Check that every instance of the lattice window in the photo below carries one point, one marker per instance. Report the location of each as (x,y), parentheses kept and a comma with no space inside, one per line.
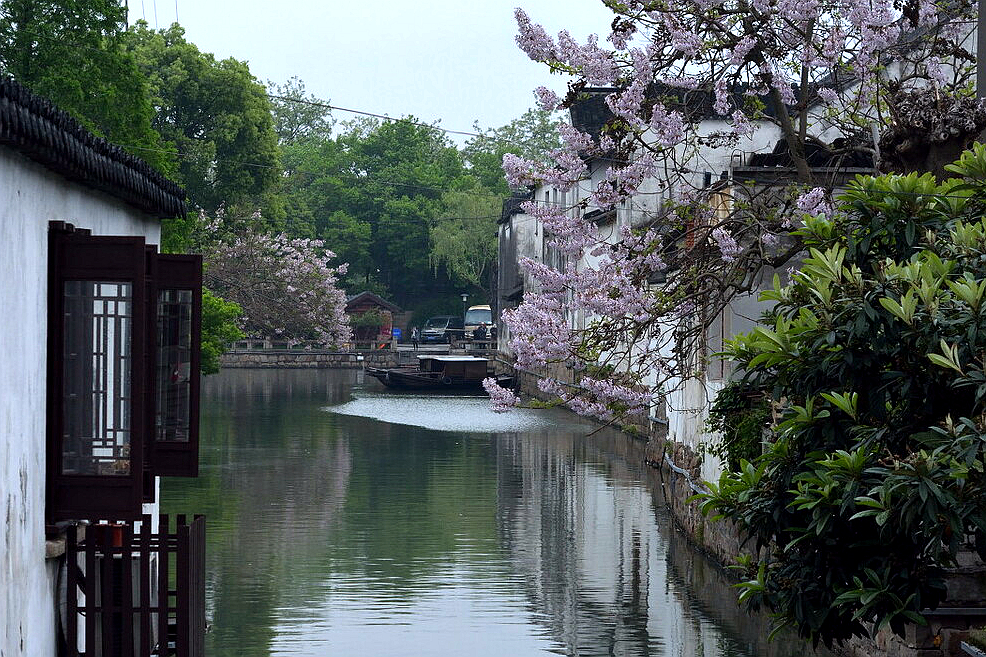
(97,366)
(123,371)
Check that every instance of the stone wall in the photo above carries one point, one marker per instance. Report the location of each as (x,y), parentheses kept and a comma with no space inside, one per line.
(308,359)
(268,359)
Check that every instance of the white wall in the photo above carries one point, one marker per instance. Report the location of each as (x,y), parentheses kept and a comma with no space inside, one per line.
(30,197)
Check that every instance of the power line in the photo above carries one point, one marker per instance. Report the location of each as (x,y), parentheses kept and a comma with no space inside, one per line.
(312,103)
(386,117)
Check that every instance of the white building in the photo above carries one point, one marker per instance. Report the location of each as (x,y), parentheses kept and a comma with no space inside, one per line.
(99,387)
(760,158)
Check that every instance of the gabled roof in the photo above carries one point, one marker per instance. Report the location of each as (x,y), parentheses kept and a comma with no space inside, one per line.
(35,127)
(366,295)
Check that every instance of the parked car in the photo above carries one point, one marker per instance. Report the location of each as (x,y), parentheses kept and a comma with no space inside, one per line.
(444,328)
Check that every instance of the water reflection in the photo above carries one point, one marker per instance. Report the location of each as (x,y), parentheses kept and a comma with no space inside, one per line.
(334,532)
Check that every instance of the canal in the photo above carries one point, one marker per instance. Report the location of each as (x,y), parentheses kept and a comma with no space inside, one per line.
(345,520)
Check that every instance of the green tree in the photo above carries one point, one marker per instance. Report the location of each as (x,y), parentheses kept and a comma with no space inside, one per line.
(533,136)
(375,190)
(74,53)
(464,238)
(216,113)
(220,329)
(321,193)
(299,117)
(874,354)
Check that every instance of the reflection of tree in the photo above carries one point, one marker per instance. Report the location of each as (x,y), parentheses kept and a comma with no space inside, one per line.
(304,506)
(415,499)
(297,499)
(273,477)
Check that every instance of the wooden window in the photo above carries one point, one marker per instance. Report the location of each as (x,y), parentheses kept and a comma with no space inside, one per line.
(177,285)
(97,320)
(123,372)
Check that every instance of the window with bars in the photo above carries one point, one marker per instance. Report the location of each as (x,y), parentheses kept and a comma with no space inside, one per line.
(123,370)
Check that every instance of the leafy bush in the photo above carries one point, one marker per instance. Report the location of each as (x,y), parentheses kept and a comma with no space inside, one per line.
(741,419)
(876,470)
(371,318)
(220,328)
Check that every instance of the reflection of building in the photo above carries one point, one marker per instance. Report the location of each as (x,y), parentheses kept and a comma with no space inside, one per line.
(603,572)
(101,336)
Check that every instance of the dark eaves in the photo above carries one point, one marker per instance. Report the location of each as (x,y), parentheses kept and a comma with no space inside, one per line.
(38,129)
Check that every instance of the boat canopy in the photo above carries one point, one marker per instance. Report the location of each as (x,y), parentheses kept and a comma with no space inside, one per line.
(451,359)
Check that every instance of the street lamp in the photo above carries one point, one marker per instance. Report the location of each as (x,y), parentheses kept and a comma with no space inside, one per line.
(464,297)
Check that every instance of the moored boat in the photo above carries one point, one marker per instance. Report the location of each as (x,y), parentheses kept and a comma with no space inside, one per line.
(439,371)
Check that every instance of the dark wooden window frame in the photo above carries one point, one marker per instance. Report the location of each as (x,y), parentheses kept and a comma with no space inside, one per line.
(177,272)
(77,255)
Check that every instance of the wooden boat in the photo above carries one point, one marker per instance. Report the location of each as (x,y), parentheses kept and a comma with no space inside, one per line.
(439,371)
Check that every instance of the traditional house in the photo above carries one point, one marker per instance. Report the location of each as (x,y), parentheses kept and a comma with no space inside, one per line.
(372,319)
(99,396)
(756,162)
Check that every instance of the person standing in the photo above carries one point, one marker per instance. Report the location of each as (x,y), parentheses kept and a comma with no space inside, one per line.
(415,336)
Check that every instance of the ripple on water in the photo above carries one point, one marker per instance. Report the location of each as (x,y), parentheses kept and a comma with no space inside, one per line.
(471,414)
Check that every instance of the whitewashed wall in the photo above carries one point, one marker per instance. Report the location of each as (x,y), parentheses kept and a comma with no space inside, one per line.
(30,197)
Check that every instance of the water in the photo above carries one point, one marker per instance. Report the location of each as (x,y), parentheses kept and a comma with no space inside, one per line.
(345,520)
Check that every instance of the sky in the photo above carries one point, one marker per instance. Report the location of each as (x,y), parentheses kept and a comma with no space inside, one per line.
(442,60)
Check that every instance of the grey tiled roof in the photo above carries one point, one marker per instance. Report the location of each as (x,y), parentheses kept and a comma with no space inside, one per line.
(35,127)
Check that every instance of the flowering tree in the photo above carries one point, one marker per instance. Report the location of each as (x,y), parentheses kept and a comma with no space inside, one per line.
(847,78)
(285,286)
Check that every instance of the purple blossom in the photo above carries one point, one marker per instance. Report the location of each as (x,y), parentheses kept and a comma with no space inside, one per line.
(814,202)
(533,39)
(727,244)
(741,125)
(518,171)
(547,99)
(742,49)
(668,127)
(828,96)
(501,399)
(721,105)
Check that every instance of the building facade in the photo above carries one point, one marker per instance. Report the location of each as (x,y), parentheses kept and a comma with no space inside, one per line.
(93,388)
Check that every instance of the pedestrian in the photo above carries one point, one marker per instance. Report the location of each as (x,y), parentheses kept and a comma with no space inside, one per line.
(415,336)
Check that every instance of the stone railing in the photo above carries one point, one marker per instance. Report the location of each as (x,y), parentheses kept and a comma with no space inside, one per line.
(292,358)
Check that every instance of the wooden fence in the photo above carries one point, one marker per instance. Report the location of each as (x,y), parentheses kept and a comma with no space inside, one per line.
(137,594)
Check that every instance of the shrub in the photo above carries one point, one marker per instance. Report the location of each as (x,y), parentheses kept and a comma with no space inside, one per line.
(875,472)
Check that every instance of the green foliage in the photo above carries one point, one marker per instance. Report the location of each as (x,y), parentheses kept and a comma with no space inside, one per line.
(741,419)
(876,469)
(373,193)
(220,329)
(217,115)
(299,117)
(371,318)
(534,136)
(464,238)
(550,403)
(43,42)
